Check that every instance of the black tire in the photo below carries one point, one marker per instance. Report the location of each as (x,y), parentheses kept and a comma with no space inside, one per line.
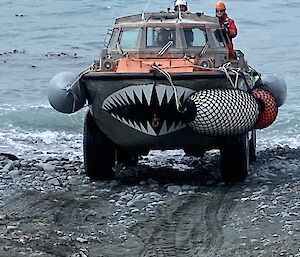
(98,151)
(252,147)
(234,160)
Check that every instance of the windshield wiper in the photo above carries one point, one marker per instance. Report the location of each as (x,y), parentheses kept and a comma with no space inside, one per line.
(204,49)
(120,51)
(165,48)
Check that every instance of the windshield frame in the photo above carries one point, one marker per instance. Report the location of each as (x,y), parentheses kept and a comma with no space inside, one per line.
(180,41)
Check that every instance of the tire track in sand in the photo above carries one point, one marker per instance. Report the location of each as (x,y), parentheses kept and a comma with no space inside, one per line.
(193,227)
(216,214)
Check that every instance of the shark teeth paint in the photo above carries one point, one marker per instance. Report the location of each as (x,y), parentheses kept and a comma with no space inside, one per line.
(147,108)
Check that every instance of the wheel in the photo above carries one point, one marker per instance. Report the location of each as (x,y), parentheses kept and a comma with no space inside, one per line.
(98,151)
(252,147)
(234,160)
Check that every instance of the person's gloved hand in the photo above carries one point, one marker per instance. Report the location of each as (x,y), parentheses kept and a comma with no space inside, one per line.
(226,26)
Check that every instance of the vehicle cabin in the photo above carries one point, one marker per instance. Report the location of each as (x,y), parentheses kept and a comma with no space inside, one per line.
(184,38)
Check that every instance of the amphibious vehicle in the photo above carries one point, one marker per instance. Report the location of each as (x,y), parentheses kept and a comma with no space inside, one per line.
(164,81)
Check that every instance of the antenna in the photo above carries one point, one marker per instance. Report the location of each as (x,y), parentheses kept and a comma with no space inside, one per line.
(143,14)
(180,15)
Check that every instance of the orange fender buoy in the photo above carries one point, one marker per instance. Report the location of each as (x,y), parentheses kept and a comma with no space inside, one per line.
(268,108)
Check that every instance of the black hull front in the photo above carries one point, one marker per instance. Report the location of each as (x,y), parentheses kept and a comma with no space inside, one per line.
(134,140)
(134,115)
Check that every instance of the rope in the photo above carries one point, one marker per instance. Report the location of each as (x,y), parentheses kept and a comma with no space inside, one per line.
(236,77)
(79,76)
(169,78)
(69,89)
(225,68)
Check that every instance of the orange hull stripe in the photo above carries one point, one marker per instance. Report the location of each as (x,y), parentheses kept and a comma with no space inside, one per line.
(144,65)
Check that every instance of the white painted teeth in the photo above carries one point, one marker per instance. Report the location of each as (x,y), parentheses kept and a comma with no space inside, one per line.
(126,95)
(150,129)
(148,93)
(139,93)
(164,129)
(181,92)
(160,91)
(120,100)
(123,95)
(130,94)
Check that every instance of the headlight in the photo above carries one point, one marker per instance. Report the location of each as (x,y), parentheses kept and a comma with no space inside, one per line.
(108,65)
(206,63)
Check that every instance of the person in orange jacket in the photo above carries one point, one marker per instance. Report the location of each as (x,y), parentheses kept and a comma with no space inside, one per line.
(227,25)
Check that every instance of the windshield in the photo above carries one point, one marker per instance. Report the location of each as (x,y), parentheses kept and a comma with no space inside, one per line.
(128,38)
(160,36)
(165,38)
(194,37)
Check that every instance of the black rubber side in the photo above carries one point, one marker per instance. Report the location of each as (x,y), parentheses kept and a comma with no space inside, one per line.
(234,160)
(98,151)
(252,147)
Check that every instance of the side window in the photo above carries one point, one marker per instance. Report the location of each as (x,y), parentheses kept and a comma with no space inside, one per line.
(129,38)
(194,37)
(160,36)
(218,38)
(151,37)
(111,38)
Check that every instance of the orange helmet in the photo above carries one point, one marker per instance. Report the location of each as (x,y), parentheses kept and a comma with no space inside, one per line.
(220,6)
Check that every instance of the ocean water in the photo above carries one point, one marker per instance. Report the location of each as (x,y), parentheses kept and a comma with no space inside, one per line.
(38,39)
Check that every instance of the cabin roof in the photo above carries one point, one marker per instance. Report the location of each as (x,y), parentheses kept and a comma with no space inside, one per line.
(168,18)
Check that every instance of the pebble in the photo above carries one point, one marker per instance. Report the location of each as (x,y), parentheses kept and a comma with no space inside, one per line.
(130,204)
(293,167)
(182,193)
(126,197)
(17,163)
(135,210)
(82,240)
(9,166)
(277,166)
(48,167)
(174,189)
(138,197)
(14,173)
(54,182)
(10,227)
(153,195)
(137,203)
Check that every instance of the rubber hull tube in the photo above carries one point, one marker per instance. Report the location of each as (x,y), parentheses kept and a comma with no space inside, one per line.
(65,94)
(268,108)
(221,112)
(275,85)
